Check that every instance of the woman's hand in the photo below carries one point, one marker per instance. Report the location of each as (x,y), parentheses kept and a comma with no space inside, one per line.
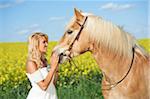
(54,60)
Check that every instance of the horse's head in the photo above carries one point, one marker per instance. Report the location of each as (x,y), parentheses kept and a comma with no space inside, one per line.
(75,40)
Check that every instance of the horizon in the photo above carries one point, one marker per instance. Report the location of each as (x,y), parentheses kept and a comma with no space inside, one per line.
(20,18)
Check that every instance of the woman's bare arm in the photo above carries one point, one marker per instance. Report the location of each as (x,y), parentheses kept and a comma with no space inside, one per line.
(31,67)
(56,77)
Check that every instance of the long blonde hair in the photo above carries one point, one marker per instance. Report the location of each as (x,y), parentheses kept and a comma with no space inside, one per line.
(33,48)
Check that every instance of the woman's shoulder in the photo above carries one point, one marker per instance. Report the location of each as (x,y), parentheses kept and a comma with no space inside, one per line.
(31,66)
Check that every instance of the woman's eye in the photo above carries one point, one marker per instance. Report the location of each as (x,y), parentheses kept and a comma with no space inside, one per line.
(44,41)
(69,31)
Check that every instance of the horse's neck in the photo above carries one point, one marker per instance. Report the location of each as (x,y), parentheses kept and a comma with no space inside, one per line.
(113,66)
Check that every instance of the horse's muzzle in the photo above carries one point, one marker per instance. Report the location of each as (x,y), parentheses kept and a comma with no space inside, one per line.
(63,53)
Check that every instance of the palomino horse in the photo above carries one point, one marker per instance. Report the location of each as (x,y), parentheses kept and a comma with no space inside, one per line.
(125,65)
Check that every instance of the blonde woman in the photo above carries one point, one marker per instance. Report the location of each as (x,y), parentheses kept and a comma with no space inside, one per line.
(37,70)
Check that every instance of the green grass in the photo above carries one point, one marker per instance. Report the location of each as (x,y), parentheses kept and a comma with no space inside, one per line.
(85,89)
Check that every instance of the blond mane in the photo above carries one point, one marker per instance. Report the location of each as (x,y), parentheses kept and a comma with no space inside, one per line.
(110,36)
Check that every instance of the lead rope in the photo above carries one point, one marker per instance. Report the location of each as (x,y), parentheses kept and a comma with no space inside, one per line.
(109,85)
(115,84)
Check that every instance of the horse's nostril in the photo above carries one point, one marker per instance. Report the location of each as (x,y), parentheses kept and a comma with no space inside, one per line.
(63,57)
(60,57)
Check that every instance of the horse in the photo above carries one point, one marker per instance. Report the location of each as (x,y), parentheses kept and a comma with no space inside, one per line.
(123,62)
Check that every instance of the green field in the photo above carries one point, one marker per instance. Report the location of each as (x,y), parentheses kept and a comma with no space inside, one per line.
(75,82)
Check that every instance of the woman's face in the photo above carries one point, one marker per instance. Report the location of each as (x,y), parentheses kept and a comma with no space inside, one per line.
(43,44)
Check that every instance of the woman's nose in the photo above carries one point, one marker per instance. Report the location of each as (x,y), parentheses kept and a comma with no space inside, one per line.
(46,44)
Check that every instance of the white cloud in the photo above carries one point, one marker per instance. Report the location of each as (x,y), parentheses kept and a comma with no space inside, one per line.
(56,18)
(30,29)
(10,4)
(115,6)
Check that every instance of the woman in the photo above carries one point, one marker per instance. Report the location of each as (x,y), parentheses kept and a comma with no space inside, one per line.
(37,69)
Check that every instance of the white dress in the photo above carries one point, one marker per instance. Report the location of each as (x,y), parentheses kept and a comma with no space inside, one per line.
(36,92)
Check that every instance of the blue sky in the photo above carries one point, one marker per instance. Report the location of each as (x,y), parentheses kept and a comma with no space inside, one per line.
(20,18)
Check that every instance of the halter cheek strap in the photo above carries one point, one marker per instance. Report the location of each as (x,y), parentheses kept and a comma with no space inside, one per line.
(78,35)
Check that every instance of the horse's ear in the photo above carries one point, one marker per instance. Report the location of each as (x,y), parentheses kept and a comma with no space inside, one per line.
(78,14)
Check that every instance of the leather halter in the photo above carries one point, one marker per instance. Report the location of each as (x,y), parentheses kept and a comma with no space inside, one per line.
(109,85)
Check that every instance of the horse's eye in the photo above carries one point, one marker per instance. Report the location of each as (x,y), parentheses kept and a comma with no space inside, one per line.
(69,31)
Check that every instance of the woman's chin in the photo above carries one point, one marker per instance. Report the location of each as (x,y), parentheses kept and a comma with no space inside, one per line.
(44,52)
